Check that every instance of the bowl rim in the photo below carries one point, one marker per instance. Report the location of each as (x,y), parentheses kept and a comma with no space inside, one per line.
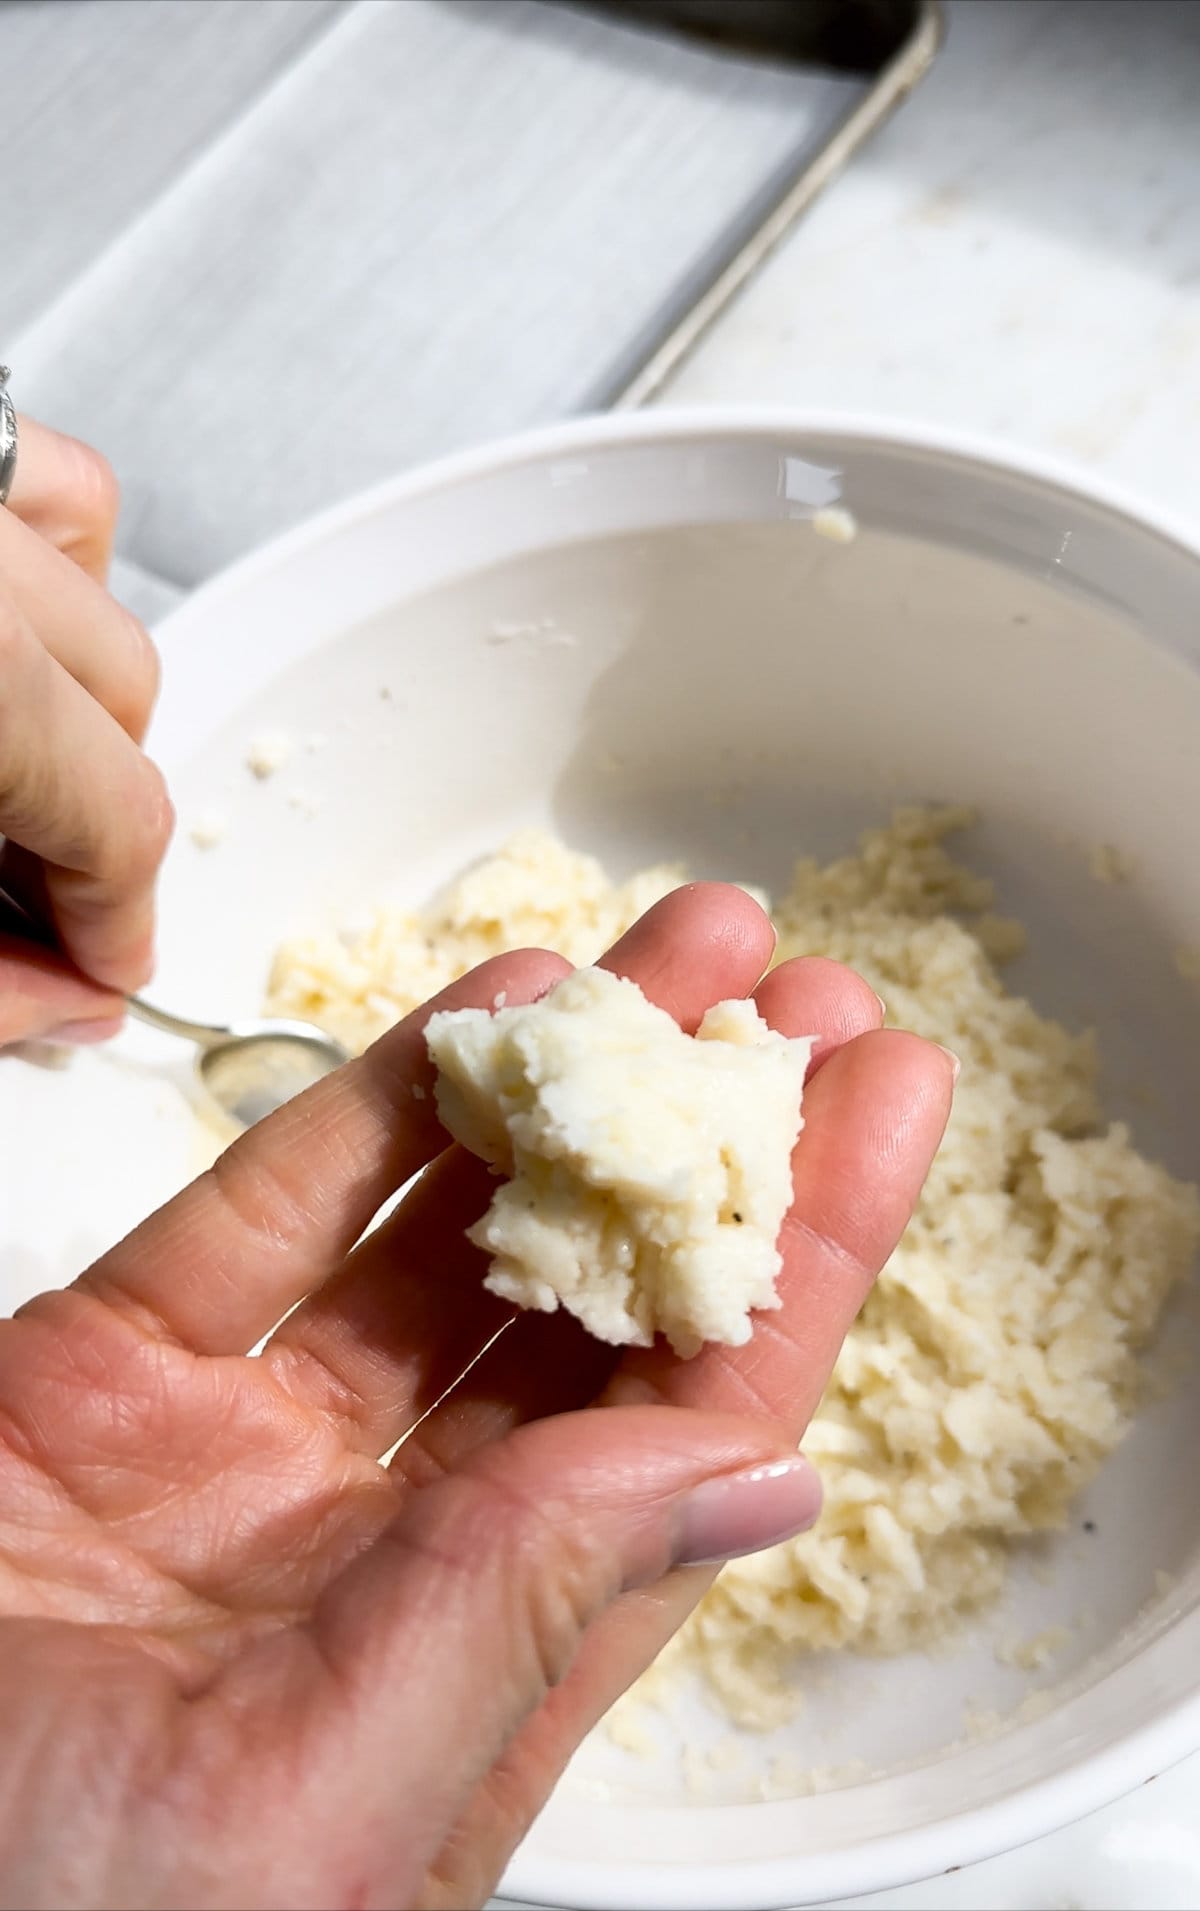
(675,425)
(1080,1785)
(954,1843)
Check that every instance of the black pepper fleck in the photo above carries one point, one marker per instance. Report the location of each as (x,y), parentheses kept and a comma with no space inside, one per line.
(1089,1526)
(737,1217)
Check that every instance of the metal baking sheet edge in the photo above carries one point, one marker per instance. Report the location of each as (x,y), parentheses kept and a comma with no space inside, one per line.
(902,73)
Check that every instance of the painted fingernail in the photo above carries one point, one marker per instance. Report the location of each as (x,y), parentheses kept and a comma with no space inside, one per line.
(743,1512)
(952,1058)
(83,1034)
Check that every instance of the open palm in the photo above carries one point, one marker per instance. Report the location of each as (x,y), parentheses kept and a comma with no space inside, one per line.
(243,1662)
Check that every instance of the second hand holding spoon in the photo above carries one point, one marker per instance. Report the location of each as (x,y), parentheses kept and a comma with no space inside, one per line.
(250,1068)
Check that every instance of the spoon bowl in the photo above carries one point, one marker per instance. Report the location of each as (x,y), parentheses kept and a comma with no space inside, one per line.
(251,1068)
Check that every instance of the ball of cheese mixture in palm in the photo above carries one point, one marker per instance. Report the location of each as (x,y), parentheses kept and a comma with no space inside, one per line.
(648,1171)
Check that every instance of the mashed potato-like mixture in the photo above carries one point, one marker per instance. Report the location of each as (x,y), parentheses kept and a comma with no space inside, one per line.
(650,1170)
(994,1366)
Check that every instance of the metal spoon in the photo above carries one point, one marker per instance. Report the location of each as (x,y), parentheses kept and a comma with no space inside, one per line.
(249,1068)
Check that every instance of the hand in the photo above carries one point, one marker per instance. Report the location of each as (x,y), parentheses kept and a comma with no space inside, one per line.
(84,812)
(244,1663)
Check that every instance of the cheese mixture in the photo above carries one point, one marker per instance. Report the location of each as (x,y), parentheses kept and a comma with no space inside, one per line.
(995,1364)
(649,1170)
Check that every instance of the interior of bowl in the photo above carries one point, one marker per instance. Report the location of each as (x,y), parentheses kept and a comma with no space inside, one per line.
(641,641)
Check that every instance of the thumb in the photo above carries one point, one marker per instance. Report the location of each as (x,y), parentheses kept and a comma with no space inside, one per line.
(447,1634)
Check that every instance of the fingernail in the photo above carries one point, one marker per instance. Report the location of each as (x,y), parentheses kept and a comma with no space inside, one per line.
(882,1007)
(952,1058)
(743,1512)
(81,1034)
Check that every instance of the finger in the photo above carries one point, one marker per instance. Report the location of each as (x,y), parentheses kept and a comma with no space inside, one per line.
(702,944)
(95,639)
(380,1340)
(621,1644)
(514,1558)
(75,791)
(523,1376)
(810,995)
(219,1266)
(873,1118)
(68,494)
(877,1108)
(43,998)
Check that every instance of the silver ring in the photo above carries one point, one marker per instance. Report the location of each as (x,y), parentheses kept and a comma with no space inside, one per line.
(8,438)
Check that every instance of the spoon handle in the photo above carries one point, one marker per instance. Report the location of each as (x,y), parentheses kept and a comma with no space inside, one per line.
(204,1034)
(16,920)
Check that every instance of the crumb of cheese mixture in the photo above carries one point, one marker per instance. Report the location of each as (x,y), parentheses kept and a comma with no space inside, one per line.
(208,829)
(1109,864)
(1187,961)
(838,526)
(995,1364)
(649,1170)
(268,753)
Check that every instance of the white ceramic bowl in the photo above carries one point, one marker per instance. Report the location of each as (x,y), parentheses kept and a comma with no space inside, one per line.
(631,631)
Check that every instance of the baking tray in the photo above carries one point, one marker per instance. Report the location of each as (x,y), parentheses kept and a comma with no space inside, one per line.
(453,282)
(682,332)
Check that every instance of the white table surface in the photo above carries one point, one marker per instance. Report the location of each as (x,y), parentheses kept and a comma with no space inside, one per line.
(1018,253)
